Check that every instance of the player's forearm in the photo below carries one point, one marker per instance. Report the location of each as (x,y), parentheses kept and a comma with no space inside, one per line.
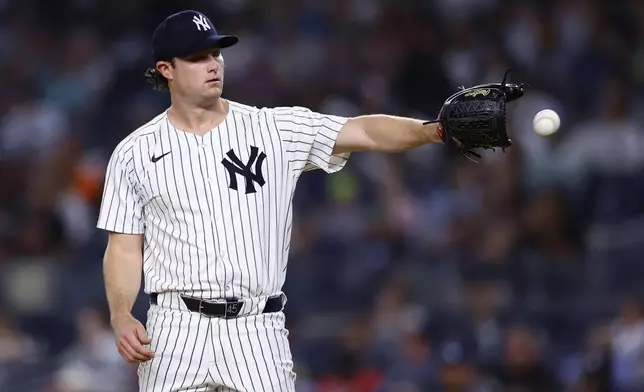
(122,273)
(393,134)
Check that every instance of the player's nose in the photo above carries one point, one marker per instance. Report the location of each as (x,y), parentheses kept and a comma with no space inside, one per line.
(213,63)
(213,69)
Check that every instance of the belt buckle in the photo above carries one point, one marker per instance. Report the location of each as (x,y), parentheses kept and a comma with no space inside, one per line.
(202,301)
(232,309)
(200,308)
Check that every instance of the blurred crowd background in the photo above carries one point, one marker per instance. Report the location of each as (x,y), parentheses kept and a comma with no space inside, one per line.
(412,272)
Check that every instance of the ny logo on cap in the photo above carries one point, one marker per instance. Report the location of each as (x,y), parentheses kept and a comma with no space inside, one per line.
(201,22)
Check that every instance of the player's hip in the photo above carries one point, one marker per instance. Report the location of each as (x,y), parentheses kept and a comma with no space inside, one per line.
(199,351)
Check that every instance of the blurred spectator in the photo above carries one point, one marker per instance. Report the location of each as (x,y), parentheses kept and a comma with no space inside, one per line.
(15,345)
(459,370)
(596,373)
(31,128)
(627,343)
(412,368)
(350,375)
(523,367)
(93,364)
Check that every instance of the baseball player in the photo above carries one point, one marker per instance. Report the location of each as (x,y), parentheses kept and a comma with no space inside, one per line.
(199,200)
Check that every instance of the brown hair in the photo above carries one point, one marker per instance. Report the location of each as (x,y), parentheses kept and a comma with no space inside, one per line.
(158,81)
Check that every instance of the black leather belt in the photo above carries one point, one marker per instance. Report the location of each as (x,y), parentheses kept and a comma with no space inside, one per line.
(228,308)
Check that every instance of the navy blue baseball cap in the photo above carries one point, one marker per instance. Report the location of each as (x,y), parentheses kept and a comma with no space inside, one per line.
(185,33)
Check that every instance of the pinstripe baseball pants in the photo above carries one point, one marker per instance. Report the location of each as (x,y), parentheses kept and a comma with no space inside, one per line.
(195,353)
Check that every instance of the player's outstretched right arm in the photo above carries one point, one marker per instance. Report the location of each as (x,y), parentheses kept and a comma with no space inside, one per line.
(122,271)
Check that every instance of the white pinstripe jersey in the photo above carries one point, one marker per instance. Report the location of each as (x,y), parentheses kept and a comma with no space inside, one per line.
(201,236)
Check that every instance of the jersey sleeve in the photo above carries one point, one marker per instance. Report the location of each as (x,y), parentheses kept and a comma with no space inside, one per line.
(309,138)
(121,210)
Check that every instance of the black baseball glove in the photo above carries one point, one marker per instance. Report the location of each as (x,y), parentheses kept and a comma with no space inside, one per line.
(475,117)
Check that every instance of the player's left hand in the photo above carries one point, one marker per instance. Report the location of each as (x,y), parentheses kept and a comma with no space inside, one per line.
(475,117)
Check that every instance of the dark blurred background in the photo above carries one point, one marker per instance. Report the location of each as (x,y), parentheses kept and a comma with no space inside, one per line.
(413,272)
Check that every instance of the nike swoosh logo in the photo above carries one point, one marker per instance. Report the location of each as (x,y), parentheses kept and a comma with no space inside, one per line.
(156,159)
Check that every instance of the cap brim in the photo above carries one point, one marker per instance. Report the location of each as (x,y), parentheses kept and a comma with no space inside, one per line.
(216,41)
(222,41)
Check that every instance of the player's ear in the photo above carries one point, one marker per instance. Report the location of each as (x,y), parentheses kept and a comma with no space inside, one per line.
(165,68)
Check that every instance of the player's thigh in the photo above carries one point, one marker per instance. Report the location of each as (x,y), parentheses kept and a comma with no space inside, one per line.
(182,352)
(258,356)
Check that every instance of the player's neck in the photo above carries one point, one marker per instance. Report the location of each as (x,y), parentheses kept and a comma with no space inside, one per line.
(198,119)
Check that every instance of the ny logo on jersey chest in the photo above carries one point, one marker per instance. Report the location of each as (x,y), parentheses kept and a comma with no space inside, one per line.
(235,166)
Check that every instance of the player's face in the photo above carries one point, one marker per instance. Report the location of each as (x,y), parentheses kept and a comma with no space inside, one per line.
(200,75)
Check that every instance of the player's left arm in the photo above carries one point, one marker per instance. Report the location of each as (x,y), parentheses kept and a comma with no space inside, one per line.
(315,140)
(379,132)
(483,106)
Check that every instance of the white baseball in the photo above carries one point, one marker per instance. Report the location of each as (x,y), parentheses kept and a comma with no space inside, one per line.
(546,122)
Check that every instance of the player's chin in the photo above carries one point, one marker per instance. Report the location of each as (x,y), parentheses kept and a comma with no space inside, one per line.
(212,86)
(212,93)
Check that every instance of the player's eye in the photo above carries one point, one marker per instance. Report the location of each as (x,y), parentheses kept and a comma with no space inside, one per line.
(195,58)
